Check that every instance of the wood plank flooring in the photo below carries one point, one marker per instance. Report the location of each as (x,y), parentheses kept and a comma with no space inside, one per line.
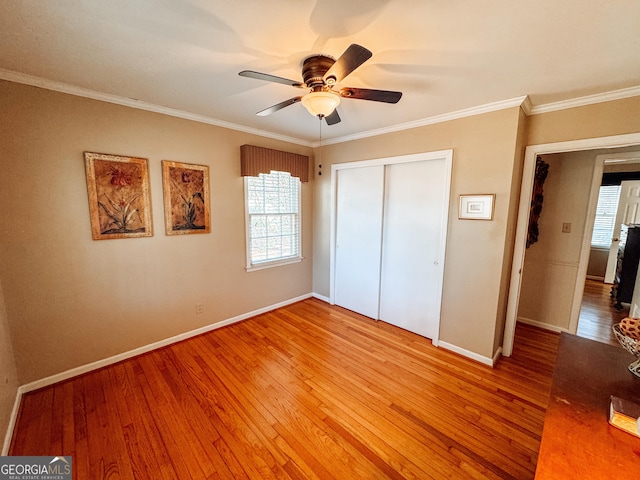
(597,314)
(308,391)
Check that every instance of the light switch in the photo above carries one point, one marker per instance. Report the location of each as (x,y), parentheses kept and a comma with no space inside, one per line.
(566,228)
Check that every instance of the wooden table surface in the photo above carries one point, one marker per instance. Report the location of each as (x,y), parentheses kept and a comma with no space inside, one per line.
(577,440)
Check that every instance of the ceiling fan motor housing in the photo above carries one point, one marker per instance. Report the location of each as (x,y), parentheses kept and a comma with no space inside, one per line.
(314,69)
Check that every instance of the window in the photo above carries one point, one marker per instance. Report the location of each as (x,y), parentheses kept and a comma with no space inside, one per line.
(605,216)
(273,219)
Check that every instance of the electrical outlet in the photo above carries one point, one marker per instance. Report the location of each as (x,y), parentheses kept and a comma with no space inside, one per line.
(199,308)
(566,228)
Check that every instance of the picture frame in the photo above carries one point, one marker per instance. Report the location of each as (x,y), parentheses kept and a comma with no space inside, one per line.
(476,207)
(119,196)
(186,198)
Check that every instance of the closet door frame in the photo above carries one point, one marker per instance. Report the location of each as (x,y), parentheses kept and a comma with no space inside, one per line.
(446,155)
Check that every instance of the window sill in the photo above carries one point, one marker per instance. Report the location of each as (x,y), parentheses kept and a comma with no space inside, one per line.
(273,263)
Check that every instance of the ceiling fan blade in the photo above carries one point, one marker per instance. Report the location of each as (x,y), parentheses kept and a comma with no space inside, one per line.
(271,78)
(278,106)
(352,58)
(333,118)
(386,96)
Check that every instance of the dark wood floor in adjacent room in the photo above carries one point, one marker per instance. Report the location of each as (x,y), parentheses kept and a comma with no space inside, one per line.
(597,313)
(306,391)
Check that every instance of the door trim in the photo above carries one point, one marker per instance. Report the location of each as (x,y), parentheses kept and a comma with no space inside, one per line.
(531,152)
(446,155)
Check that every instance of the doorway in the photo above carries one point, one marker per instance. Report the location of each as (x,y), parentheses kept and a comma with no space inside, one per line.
(618,205)
(531,153)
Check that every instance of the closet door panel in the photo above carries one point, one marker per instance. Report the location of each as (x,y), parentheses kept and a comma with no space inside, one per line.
(358,239)
(411,280)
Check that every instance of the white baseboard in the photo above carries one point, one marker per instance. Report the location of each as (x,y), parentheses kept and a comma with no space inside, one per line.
(12,423)
(472,355)
(496,356)
(544,326)
(59,377)
(74,372)
(321,297)
(447,346)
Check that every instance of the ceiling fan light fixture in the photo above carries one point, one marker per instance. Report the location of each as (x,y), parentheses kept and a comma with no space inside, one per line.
(321,103)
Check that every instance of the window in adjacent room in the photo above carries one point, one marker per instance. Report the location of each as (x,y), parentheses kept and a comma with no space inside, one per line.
(605,216)
(272,219)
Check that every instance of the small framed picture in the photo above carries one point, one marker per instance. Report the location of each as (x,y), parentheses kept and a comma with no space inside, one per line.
(476,207)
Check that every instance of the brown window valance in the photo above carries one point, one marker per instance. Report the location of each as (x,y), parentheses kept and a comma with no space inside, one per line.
(255,160)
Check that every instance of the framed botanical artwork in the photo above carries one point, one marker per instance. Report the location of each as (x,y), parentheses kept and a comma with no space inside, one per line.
(186,198)
(476,207)
(119,196)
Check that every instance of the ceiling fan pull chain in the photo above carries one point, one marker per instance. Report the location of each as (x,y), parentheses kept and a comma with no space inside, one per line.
(320,148)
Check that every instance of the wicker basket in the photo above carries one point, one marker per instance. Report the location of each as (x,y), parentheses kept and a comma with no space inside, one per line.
(631,345)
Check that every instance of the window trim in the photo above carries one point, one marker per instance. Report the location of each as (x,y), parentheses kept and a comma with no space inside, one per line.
(273,263)
(250,266)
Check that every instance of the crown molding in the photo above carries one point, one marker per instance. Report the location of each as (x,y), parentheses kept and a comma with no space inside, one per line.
(44,83)
(40,82)
(587,100)
(522,102)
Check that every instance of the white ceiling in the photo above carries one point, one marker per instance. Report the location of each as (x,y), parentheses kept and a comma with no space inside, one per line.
(445,55)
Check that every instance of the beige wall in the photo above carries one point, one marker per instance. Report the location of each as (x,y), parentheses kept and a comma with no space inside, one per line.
(71,300)
(484,154)
(592,121)
(551,265)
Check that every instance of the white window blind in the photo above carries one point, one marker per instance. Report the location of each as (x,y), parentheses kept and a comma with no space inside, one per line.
(273,218)
(605,216)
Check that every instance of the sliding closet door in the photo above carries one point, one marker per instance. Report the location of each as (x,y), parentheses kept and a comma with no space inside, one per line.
(358,238)
(411,276)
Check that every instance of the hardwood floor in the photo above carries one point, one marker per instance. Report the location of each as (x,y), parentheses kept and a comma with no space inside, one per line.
(306,391)
(597,314)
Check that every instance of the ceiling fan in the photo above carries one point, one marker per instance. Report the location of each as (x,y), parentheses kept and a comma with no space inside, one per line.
(320,73)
